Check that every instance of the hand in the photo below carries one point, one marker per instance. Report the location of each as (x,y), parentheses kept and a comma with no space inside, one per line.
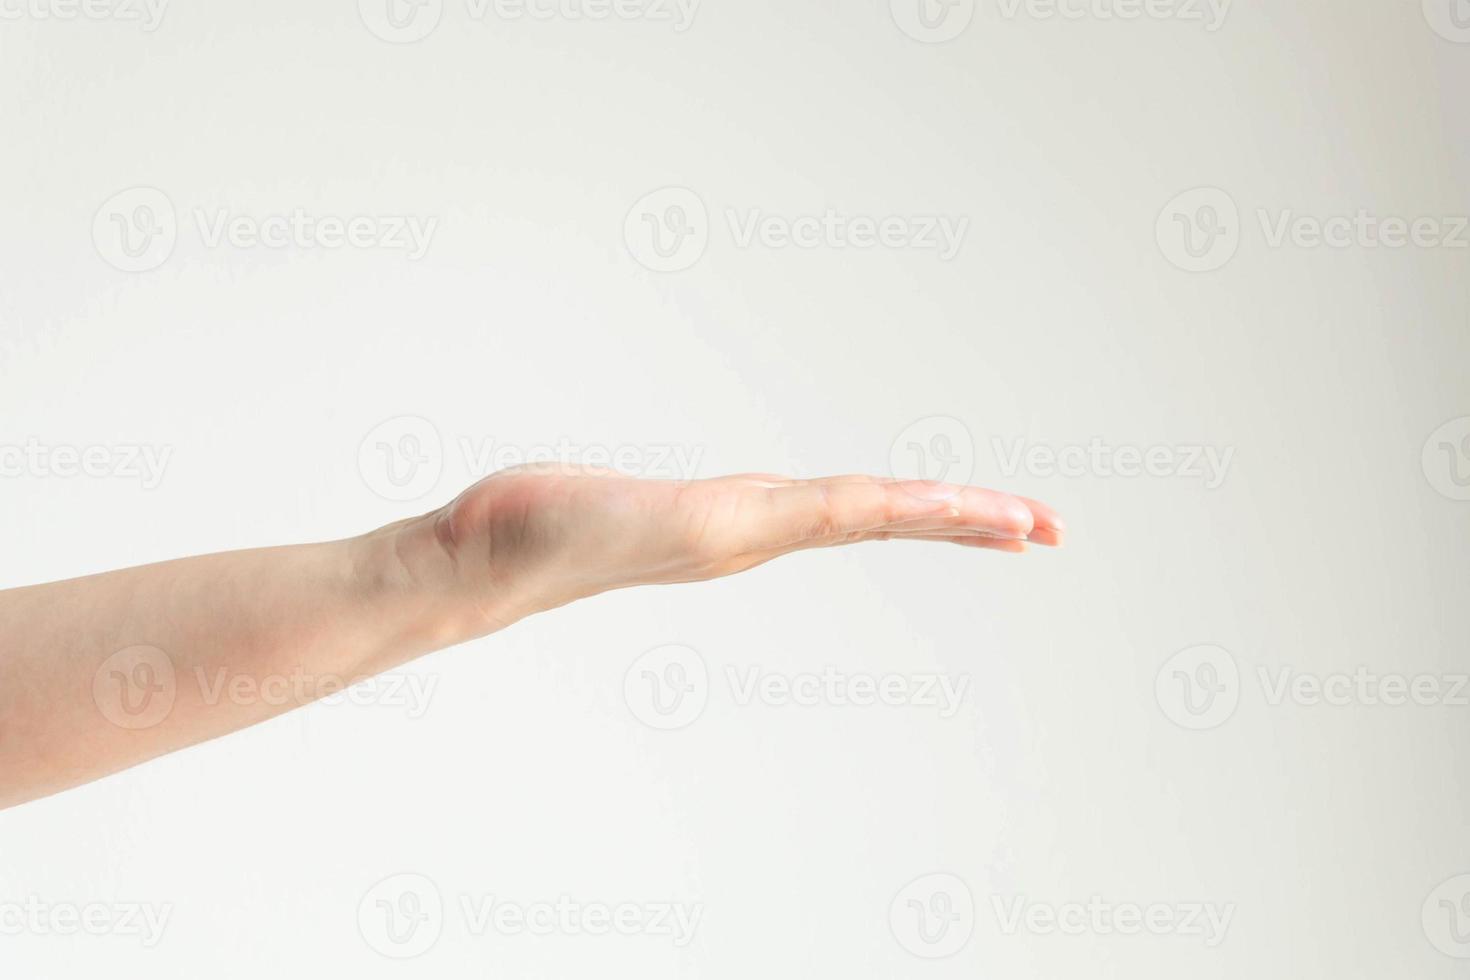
(535,537)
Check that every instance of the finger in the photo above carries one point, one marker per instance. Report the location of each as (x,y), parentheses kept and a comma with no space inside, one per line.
(984,541)
(990,510)
(1045,516)
(1041,536)
(781,480)
(850,478)
(761,479)
(1050,537)
(1047,525)
(979,509)
(971,540)
(974,539)
(946,532)
(975,508)
(945,525)
(791,516)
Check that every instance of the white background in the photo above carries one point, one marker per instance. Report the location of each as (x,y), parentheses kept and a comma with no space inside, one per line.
(1334,542)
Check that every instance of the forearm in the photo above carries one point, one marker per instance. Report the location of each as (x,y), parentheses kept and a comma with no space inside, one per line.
(101,673)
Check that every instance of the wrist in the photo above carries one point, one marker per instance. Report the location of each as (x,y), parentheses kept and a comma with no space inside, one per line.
(410,586)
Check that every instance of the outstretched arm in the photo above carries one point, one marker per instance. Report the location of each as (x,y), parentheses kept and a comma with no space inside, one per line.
(101,673)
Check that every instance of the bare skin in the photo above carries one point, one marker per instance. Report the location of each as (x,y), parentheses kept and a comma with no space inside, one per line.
(101,673)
